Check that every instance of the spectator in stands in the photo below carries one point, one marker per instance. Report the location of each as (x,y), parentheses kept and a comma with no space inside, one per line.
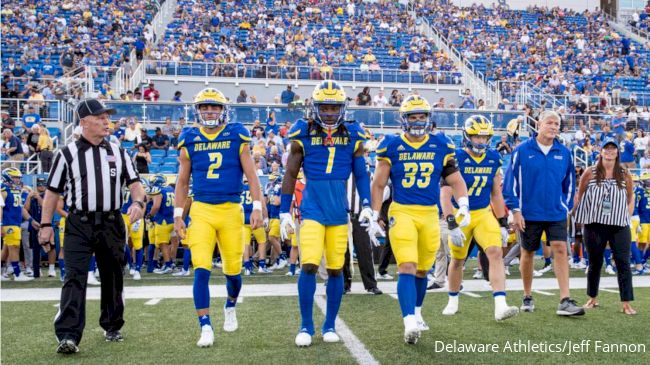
(440,104)
(503,147)
(142,159)
(30,117)
(143,139)
(119,128)
(150,93)
(67,61)
(177,97)
(168,127)
(468,101)
(284,130)
(33,135)
(44,149)
(618,123)
(627,151)
(173,142)
(512,130)
(133,130)
(274,155)
(640,144)
(160,141)
(276,139)
(364,98)
(271,125)
(644,163)
(7,121)
(139,48)
(12,148)
(287,95)
(396,98)
(260,162)
(242,97)
(380,100)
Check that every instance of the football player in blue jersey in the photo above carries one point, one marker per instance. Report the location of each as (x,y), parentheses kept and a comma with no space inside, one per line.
(643,198)
(162,213)
(272,192)
(12,218)
(415,161)
(135,235)
(62,210)
(328,149)
(259,233)
(480,168)
(187,253)
(216,155)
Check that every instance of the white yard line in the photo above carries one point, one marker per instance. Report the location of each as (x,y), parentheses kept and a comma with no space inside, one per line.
(542,292)
(609,290)
(394,296)
(290,289)
(153,301)
(470,294)
(353,344)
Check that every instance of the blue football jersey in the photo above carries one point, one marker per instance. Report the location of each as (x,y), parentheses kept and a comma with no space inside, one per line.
(165,213)
(216,169)
(273,190)
(12,212)
(127,202)
(327,167)
(638,193)
(416,168)
(478,174)
(644,206)
(247,203)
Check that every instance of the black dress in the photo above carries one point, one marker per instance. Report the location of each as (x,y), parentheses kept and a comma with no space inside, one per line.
(141,164)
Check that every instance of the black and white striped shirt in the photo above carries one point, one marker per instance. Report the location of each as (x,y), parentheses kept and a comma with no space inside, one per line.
(92,177)
(591,208)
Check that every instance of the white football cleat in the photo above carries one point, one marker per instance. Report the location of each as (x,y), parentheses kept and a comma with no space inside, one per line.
(610,270)
(411,330)
(303,339)
(50,273)
(331,337)
(131,271)
(247,272)
(23,277)
(478,274)
(289,273)
(136,275)
(92,280)
(506,270)
(283,263)
(505,313)
(422,325)
(264,270)
(230,319)
(182,273)
(452,307)
(385,276)
(207,336)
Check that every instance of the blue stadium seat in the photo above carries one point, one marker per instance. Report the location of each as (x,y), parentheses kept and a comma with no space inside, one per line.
(158,153)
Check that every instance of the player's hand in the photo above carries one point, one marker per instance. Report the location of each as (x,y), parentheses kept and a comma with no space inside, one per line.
(287,226)
(266,224)
(256,219)
(365,216)
(179,227)
(457,237)
(46,237)
(518,221)
(637,220)
(463,212)
(504,237)
(135,212)
(374,229)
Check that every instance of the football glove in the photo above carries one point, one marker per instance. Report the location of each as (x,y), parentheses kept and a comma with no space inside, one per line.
(286,222)
(373,228)
(463,212)
(455,235)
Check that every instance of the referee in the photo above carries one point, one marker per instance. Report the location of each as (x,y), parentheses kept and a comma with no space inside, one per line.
(91,174)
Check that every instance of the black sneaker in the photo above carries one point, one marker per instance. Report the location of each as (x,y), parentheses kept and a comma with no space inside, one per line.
(113,336)
(375,291)
(67,347)
(434,286)
(528,304)
(347,291)
(568,307)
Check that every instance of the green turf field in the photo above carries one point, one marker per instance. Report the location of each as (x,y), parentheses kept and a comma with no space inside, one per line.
(167,332)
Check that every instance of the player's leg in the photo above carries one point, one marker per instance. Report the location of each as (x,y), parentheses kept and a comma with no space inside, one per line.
(174,242)
(279,258)
(201,240)
(404,241)
(530,242)
(229,233)
(163,239)
(488,235)
(246,239)
(312,245)
(293,254)
(455,274)
(12,240)
(634,248)
(428,242)
(152,258)
(336,243)
(556,232)
(260,237)
(61,245)
(136,235)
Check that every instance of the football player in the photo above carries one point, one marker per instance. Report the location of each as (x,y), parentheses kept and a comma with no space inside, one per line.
(295,213)
(162,213)
(135,235)
(11,219)
(415,161)
(328,149)
(259,233)
(643,198)
(62,210)
(272,194)
(216,155)
(480,168)
(187,253)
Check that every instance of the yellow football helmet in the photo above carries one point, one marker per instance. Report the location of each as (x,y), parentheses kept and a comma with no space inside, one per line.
(645,179)
(478,125)
(210,96)
(12,176)
(635,178)
(329,92)
(415,104)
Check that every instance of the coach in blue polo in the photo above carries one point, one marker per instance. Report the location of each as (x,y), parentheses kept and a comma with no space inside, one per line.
(538,187)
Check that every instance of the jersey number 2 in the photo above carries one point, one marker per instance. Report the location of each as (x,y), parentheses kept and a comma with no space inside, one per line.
(411,169)
(217,159)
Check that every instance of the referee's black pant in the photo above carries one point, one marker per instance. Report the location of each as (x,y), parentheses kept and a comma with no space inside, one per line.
(103,234)
(363,248)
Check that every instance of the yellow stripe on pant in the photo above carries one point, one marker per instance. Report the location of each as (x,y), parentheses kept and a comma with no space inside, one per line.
(316,238)
(61,231)
(216,222)
(137,237)
(414,234)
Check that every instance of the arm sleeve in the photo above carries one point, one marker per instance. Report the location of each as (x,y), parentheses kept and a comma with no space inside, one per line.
(511,183)
(363,180)
(569,184)
(59,175)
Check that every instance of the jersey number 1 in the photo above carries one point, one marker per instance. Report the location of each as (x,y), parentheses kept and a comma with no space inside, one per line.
(330,159)
(478,185)
(217,159)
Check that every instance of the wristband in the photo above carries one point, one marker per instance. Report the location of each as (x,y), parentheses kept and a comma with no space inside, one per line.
(503,222)
(285,203)
(178,212)
(140,203)
(451,222)
(463,201)
(257,205)
(43,225)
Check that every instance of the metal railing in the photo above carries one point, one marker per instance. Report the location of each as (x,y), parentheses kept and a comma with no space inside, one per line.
(209,70)
(152,113)
(48,110)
